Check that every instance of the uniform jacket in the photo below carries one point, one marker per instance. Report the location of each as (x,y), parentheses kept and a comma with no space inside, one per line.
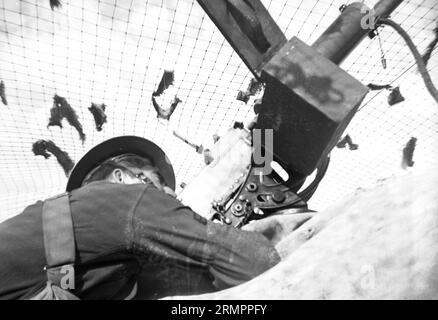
(132,234)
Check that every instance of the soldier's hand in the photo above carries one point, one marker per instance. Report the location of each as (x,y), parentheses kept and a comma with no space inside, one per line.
(276,227)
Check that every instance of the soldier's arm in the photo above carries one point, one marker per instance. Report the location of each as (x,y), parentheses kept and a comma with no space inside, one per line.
(163,226)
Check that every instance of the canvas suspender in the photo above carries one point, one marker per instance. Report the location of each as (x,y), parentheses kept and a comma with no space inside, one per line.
(60,250)
(59,241)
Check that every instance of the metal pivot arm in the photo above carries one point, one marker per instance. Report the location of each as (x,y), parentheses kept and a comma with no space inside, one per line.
(248,27)
(248,22)
(257,197)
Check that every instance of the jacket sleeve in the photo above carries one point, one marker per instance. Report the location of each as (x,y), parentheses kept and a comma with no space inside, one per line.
(166,230)
(239,255)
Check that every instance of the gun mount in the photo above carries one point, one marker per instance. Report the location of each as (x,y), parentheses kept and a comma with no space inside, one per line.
(308,100)
(233,189)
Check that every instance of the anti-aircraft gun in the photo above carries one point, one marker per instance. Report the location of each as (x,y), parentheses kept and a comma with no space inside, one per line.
(308,102)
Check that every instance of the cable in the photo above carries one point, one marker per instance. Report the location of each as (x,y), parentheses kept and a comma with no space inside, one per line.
(418,58)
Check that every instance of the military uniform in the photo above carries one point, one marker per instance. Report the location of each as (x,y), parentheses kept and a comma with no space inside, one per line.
(132,236)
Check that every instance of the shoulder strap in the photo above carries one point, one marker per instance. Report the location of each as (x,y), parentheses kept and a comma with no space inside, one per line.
(59,239)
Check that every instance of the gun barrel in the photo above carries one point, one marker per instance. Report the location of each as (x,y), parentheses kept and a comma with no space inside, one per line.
(349,29)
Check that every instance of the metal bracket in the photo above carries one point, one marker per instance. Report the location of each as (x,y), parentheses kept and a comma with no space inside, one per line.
(255,197)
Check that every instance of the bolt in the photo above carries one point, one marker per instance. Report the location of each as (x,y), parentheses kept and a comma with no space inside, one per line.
(278,196)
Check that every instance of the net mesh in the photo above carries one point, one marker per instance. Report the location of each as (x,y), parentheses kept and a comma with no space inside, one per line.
(115,52)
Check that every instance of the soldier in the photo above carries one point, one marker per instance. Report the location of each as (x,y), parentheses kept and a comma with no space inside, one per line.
(118,232)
